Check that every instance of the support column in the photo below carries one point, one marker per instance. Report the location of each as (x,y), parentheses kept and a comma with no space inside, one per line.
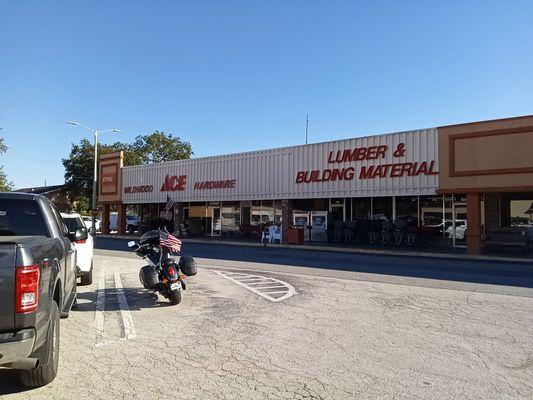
(492,211)
(121,223)
(104,225)
(286,219)
(473,217)
(178,213)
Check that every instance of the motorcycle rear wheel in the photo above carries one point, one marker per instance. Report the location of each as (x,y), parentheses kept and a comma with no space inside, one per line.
(175,297)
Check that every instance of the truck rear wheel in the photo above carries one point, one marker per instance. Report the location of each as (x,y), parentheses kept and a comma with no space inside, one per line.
(45,373)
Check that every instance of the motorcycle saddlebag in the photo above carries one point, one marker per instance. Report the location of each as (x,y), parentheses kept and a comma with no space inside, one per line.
(188,265)
(148,277)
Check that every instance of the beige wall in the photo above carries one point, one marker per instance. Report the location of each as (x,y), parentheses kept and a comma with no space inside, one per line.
(486,156)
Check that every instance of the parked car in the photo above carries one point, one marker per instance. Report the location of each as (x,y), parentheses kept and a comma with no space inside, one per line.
(89,223)
(37,284)
(460,229)
(84,248)
(521,222)
(132,222)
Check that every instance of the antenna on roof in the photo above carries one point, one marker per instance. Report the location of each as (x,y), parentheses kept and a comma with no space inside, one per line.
(306,127)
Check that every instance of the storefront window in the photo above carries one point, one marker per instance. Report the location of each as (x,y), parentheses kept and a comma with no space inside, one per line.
(382,208)
(517,209)
(361,208)
(431,210)
(407,208)
(230,218)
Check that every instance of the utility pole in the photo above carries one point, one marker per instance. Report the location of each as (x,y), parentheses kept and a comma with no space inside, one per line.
(306,128)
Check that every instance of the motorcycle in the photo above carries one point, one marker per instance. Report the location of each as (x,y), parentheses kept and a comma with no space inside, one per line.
(162,274)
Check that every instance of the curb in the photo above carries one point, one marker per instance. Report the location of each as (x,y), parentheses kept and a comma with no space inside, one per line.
(343,250)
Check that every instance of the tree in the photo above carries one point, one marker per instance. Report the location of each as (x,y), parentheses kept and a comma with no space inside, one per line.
(146,149)
(5,184)
(158,147)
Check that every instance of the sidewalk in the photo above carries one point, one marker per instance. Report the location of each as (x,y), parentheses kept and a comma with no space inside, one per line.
(447,253)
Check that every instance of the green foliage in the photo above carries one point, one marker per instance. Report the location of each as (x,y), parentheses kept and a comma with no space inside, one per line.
(159,147)
(146,149)
(5,184)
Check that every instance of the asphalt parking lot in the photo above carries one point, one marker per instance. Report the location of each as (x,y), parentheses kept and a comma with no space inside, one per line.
(263,330)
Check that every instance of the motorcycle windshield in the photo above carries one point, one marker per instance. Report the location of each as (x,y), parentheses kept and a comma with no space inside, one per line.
(150,237)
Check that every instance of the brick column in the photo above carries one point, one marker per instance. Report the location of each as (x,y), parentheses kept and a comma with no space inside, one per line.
(286,219)
(104,225)
(492,211)
(473,217)
(121,223)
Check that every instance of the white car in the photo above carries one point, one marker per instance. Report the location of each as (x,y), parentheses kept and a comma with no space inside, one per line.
(84,248)
(89,223)
(132,222)
(460,229)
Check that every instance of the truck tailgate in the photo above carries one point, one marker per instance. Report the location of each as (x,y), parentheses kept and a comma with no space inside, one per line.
(8,252)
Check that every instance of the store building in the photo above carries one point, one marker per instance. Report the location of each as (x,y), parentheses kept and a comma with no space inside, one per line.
(431,180)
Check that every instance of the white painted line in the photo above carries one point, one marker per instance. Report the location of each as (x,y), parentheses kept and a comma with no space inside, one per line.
(278,286)
(100,308)
(127,319)
(290,289)
(278,291)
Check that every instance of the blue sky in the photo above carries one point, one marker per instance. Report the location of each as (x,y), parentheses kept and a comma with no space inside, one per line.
(232,76)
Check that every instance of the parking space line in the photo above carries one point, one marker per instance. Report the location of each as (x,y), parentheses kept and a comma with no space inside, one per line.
(276,292)
(263,280)
(100,309)
(127,319)
(128,329)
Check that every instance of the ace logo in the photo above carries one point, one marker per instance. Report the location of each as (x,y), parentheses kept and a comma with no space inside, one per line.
(173,183)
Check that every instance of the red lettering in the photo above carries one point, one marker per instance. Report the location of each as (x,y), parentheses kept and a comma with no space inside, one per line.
(377,172)
(431,166)
(381,151)
(406,169)
(361,154)
(423,169)
(349,173)
(300,177)
(371,153)
(396,169)
(366,172)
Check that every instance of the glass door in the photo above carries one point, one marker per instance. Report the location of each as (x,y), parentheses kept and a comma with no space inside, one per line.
(458,227)
(216,223)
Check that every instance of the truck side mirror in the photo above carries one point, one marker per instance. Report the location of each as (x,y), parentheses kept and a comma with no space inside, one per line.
(80,235)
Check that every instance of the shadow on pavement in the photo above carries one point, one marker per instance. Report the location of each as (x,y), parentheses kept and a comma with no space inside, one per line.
(137,299)
(460,270)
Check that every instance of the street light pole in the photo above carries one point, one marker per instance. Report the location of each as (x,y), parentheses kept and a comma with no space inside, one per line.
(95,182)
(95,173)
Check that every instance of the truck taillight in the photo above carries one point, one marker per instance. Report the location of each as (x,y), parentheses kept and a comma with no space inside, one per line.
(27,288)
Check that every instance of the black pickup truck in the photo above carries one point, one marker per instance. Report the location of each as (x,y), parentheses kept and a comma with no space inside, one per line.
(37,284)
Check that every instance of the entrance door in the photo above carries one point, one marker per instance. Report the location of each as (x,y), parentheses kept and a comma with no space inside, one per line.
(216,224)
(459,226)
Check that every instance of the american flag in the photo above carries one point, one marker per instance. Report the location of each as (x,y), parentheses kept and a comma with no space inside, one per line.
(169,206)
(169,241)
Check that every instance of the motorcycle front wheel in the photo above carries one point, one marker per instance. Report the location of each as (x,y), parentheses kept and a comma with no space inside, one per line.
(175,297)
